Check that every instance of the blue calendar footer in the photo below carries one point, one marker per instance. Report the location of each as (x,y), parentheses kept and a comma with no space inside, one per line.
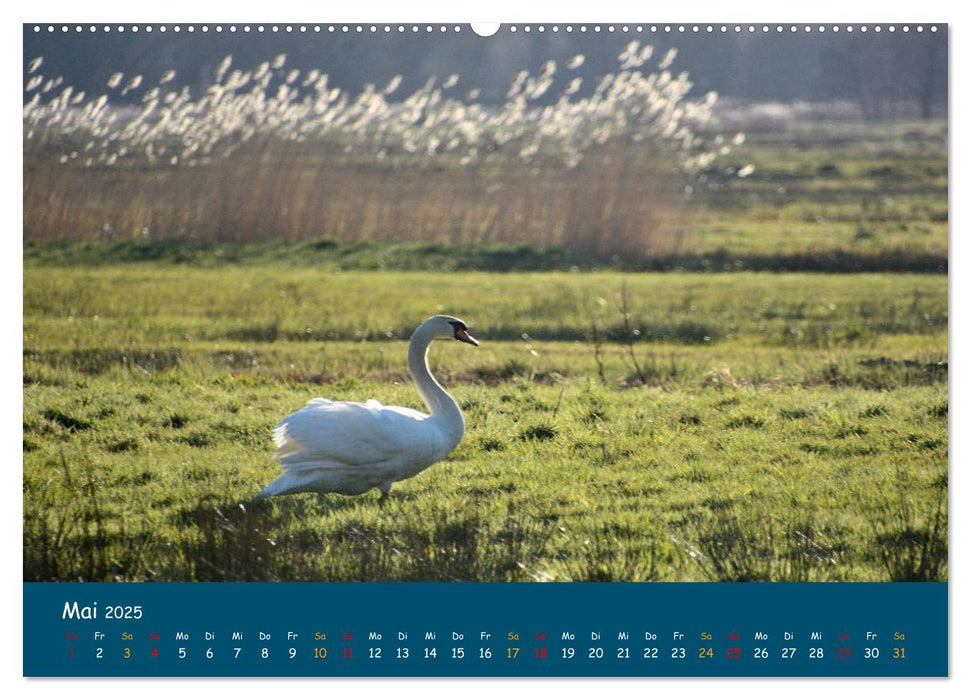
(482,630)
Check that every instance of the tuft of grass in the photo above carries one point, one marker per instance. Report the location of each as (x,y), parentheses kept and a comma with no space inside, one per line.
(176,421)
(541,432)
(124,445)
(874,411)
(745,421)
(492,444)
(65,420)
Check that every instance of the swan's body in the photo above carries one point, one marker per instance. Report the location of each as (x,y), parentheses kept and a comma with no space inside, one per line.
(349,448)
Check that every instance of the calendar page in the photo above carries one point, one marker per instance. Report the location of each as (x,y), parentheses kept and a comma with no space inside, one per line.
(513,350)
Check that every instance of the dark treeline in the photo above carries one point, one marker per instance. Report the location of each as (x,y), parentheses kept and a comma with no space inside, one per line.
(887,75)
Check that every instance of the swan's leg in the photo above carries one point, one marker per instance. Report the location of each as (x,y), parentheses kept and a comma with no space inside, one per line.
(385,489)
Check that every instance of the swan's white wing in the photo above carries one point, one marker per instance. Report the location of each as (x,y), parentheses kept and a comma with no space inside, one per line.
(348,433)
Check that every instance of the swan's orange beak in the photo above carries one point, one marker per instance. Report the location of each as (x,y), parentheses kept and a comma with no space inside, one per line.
(463,335)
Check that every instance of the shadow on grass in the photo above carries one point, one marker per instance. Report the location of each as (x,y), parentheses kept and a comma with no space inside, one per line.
(322,539)
(729,547)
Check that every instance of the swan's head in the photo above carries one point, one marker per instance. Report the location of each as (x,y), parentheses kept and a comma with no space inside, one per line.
(450,327)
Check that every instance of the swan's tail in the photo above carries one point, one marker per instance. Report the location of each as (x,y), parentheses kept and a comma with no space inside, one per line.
(277,487)
(301,474)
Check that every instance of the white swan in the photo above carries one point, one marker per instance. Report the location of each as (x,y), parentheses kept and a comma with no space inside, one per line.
(347,447)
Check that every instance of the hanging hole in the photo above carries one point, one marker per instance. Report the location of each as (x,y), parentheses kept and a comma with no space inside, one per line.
(485,28)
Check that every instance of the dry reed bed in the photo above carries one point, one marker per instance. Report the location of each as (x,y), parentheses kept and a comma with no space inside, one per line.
(273,153)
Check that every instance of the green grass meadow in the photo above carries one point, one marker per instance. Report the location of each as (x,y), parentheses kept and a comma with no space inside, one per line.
(706,355)
(673,426)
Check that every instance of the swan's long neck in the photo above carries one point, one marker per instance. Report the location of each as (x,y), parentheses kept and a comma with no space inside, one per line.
(442,406)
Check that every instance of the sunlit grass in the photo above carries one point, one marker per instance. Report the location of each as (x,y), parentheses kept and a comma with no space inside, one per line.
(805,438)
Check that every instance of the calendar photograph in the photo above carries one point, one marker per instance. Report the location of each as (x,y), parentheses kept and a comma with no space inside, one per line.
(698,276)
